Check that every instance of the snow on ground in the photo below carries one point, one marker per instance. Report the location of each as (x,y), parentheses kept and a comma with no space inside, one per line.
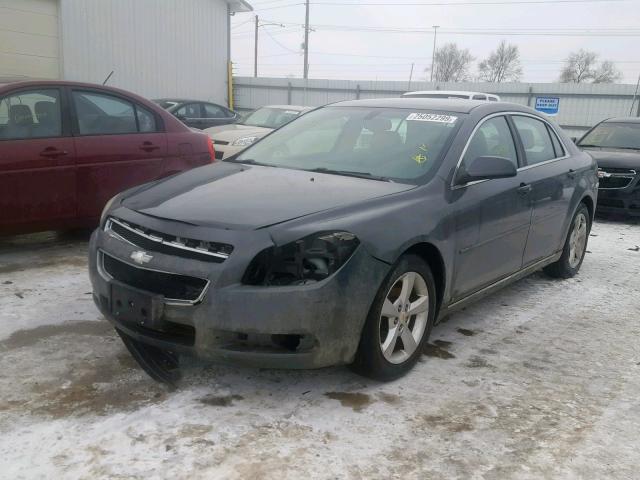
(541,380)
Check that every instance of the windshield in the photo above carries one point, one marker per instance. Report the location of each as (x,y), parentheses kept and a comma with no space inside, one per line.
(613,135)
(385,143)
(268,117)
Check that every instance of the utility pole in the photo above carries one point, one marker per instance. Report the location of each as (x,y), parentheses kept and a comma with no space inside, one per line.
(255,50)
(433,55)
(306,41)
(410,76)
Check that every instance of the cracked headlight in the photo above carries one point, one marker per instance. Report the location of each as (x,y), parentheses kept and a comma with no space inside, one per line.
(244,141)
(304,261)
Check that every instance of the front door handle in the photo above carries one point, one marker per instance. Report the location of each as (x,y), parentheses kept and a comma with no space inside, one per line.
(149,147)
(53,152)
(524,189)
(571,173)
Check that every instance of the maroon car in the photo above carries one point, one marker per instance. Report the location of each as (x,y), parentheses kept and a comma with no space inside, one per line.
(66,148)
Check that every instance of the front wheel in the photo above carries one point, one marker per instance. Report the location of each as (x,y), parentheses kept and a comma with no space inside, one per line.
(575,246)
(399,322)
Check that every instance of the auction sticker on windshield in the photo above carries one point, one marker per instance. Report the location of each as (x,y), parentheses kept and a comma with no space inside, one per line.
(431,117)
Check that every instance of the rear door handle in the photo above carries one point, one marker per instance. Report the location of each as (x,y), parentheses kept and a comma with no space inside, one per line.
(524,189)
(571,173)
(52,152)
(149,147)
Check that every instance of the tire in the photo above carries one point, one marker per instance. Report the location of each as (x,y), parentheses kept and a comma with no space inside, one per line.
(573,253)
(394,329)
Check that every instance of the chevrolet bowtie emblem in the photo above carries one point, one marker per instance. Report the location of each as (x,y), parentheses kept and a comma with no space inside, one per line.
(141,257)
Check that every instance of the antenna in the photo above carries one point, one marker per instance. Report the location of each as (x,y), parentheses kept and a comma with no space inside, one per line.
(107,79)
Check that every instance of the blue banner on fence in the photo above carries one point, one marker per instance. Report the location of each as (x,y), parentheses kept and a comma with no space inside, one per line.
(548,105)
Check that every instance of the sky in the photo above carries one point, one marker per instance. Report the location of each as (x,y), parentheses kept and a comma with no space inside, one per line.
(380,39)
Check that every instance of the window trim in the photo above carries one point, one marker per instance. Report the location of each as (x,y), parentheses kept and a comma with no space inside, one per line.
(65,121)
(73,114)
(219,107)
(508,114)
(549,127)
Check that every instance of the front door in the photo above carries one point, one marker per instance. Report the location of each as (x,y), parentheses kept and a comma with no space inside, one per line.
(192,115)
(118,145)
(549,173)
(492,216)
(215,115)
(37,161)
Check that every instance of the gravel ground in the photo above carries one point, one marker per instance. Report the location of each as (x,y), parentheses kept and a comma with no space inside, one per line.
(541,380)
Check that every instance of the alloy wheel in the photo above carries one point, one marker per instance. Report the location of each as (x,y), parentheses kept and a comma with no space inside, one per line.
(578,240)
(404,317)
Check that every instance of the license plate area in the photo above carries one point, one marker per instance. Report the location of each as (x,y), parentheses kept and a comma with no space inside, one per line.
(130,305)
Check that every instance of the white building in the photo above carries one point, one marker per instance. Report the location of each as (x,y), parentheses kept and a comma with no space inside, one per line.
(157,48)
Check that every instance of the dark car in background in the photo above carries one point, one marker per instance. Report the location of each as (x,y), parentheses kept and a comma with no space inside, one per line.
(66,148)
(198,114)
(615,145)
(343,236)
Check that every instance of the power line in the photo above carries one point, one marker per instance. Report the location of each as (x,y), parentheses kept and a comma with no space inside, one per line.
(465,2)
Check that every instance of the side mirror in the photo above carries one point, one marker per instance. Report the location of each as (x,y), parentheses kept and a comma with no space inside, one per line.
(484,168)
(574,139)
(180,117)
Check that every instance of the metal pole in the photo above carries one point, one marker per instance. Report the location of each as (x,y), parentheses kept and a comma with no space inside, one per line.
(410,77)
(255,51)
(433,55)
(633,100)
(306,41)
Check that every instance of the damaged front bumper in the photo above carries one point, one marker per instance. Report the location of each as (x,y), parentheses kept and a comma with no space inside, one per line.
(308,326)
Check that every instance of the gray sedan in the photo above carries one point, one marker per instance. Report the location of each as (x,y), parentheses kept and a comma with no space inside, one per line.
(343,237)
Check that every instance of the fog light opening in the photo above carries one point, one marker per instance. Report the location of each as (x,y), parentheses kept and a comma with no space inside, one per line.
(288,342)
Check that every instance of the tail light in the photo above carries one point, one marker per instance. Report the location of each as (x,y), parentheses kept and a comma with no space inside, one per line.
(212,151)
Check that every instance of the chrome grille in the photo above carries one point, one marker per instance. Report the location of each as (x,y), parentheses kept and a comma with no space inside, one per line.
(169,244)
(615,178)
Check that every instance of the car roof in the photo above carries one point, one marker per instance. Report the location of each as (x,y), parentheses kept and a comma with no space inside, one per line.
(447,92)
(623,120)
(181,100)
(300,108)
(444,104)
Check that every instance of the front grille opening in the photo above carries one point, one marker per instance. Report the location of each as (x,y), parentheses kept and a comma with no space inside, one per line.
(170,244)
(170,285)
(615,182)
(171,332)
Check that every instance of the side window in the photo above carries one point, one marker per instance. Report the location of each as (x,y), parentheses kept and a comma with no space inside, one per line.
(146,120)
(479,97)
(31,114)
(213,111)
(102,114)
(492,139)
(557,146)
(535,139)
(190,110)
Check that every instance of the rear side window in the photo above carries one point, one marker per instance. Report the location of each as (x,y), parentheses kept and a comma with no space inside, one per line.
(31,114)
(492,139)
(535,139)
(213,111)
(191,110)
(479,97)
(104,114)
(557,146)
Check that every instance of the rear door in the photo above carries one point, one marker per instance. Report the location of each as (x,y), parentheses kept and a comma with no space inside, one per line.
(119,144)
(37,169)
(493,216)
(216,115)
(549,171)
(192,115)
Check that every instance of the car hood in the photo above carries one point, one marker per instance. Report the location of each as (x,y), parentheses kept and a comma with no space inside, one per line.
(235,196)
(229,133)
(616,158)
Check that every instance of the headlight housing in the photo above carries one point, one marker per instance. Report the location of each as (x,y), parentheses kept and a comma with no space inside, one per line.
(308,260)
(244,141)
(106,209)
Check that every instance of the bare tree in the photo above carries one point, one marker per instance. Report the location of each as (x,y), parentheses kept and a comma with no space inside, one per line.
(581,66)
(607,73)
(502,65)
(451,64)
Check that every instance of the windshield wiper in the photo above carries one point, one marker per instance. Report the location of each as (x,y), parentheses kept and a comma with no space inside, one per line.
(249,161)
(628,148)
(348,173)
(588,146)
